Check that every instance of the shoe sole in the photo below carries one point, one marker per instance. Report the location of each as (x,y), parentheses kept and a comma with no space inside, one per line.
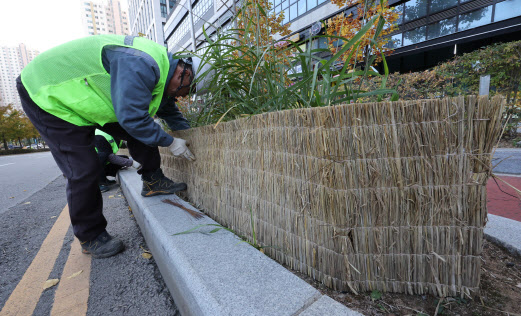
(104,255)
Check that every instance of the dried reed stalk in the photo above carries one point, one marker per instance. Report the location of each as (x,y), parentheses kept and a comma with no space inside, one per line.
(385,196)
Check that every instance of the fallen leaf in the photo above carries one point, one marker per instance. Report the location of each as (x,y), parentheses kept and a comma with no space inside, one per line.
(50,283)
(27,203)
(53,216)
(12,197)
(146,255)
(111,196)
(25,190)
(130,209)
(75,274)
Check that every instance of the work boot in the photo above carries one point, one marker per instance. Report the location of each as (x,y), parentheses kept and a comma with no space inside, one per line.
(103,246)
(156,183)
(103,188)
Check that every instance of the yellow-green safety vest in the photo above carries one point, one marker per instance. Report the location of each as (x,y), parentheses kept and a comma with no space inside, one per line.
(70,82)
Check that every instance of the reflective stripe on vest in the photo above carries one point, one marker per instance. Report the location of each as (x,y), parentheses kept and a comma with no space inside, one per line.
(70,82)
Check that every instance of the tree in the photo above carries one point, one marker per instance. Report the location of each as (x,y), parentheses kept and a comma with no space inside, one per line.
(8,118)
(349,26)
(14,124)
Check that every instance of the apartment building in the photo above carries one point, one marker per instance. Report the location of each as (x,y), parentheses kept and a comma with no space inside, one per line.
(429,31)
(148,17)
(104,17)
(12,61)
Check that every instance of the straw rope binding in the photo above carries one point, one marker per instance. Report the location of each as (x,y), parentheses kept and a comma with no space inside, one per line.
(376,196)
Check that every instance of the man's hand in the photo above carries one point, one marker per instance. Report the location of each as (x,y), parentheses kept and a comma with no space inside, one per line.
(179,148)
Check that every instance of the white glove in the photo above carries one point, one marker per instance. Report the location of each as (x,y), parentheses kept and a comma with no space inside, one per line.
(179,148)
(136,164)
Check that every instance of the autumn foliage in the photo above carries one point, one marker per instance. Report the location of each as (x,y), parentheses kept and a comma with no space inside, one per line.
(258,26)
(348,26)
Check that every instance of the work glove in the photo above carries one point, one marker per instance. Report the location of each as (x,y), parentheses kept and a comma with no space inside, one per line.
(179,148)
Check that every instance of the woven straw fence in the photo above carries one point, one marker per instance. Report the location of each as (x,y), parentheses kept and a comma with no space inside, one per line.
(376,196)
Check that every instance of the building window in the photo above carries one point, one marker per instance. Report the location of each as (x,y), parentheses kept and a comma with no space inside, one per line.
(293,12)
(475,18)
(395,41)
(171,3)
(415,9)
(441,28)
(414,36)
(399,9)
(439,5)
(507,9)
(311,4)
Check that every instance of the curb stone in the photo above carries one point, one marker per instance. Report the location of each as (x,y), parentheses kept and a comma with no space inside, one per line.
(504,232)
(217,274)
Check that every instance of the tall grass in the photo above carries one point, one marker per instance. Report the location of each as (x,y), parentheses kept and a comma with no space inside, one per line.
(246,77)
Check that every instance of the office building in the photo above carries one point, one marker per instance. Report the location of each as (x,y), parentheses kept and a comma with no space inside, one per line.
(429,31)
(148,17)
(12,61)
(104,17)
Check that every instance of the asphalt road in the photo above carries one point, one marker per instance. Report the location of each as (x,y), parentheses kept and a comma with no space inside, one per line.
(126,284)
(508,161)
(22,175)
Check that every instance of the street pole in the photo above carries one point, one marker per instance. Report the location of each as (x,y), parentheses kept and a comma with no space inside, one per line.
(192,26)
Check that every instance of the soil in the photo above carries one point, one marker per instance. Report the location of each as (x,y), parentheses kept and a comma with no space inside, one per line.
(500,293)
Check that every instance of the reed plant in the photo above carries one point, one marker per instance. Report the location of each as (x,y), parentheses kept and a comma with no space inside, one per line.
(246,75)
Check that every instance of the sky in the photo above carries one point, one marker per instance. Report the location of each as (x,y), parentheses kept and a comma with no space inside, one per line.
(40,24)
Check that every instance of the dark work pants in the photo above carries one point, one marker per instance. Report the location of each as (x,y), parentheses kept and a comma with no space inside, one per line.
(73,150)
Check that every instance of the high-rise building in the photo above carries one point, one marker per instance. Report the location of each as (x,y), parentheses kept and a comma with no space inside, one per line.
(12,61)
(104,17)
(148,17)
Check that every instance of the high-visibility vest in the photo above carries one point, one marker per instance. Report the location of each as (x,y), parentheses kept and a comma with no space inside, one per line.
(70,82)
(110,139)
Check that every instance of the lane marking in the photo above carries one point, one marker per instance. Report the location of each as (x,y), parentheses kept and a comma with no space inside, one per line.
(27,293)
(7,164)
(72,295)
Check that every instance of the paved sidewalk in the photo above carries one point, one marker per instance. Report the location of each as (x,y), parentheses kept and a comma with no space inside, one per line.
(504,203)
(502,200)
(215,273)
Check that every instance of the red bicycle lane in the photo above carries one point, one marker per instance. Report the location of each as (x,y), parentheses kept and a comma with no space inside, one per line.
(502,200)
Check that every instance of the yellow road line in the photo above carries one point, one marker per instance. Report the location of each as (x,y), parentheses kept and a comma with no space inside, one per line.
(72,294)
(27,293)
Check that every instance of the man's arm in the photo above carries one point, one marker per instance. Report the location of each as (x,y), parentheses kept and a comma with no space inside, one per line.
(172,116)
(134,75)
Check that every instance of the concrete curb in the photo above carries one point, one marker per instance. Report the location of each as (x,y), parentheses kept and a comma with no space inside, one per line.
(504,232)
(216,274)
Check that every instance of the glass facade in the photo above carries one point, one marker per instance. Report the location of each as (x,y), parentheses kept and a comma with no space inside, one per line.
(198,10)
(441,28)
(294,8)
(475,18)
(507,9)
(416,9)
(437,6)
(162,5)
(414,36)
